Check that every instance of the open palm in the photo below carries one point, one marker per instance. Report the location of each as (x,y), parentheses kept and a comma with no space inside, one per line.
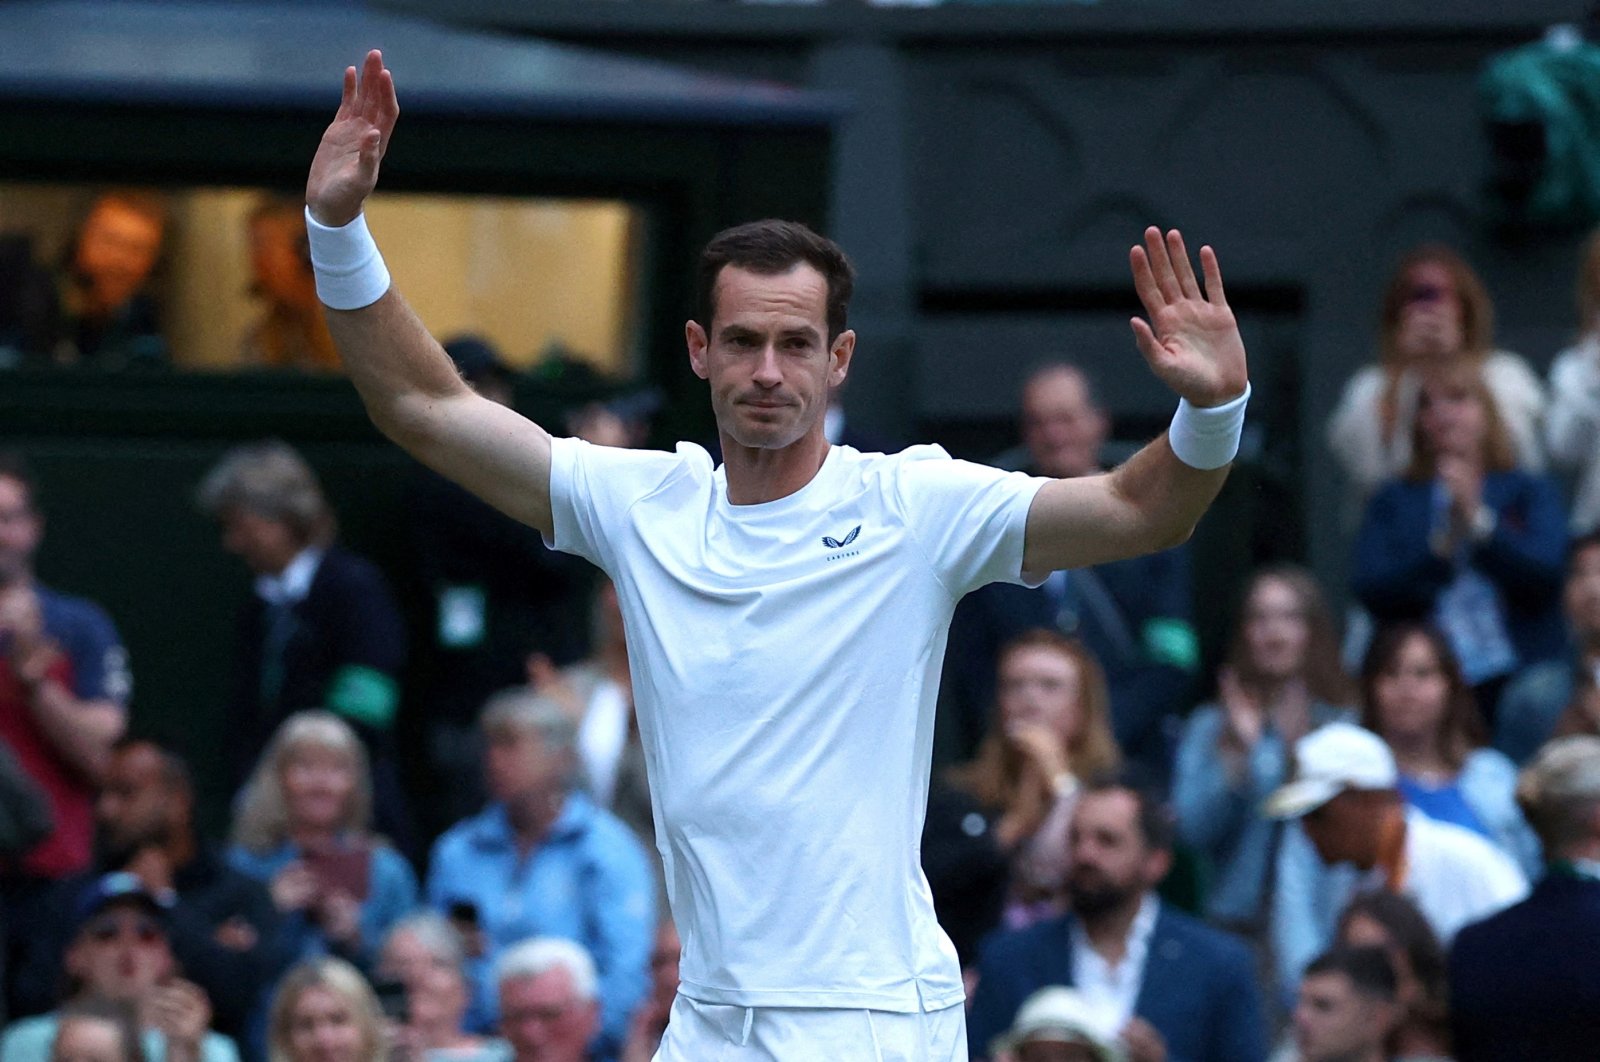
(345,169)
(1191,341)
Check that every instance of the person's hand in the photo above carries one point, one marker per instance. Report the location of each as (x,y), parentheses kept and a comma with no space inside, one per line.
(1144,1044)
(1241,710)
(1428,331)
(152,866)
(1040,748)
(236,935)
(22,633)
(294,887)
(182,1012)
(345,169)
(1191,341)
(1464,483)
(339,915)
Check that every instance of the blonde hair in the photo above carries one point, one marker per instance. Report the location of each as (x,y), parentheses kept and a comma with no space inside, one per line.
(262,823)
(335,976)
(1499,452)
(1560,790)
(994,777)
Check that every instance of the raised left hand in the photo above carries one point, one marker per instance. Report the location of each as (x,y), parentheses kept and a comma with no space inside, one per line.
(1191,341)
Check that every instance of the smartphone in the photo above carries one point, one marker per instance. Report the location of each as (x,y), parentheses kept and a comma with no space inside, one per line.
(343,869)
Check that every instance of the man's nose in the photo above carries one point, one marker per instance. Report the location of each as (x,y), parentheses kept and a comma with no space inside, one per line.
(767,372)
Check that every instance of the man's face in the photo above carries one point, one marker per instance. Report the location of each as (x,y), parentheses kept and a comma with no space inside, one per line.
(136,806)
(1582,593)
(544,1019)
(21,528)
(767,355)
(518,766)
(117,250)
(1111,863)
(1341,830)
(1062,428)
(1335,1023)
(265,545)
(121,953)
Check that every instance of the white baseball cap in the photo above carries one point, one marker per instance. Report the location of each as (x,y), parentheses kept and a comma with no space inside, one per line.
(1062,1016)
(1328,761)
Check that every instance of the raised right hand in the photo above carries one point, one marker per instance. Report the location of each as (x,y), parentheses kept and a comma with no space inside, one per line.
(345,169)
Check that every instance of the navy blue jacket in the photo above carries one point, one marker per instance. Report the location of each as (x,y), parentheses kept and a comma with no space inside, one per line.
(1525,983)
(1397,575)
(1199,990)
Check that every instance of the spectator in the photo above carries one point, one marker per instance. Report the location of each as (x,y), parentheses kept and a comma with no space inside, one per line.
(1281,681)
(321,630)
(1173,986)
(1413,696)
(497,591)
(324,1011)
(424,959)
(968,873)
(649,1022)
(119,951)
(1524,983)
(221,923)
(303,829)
(1564,694)
(1435,313)
(1573,422)
(98,1030)
(1058,1025)
(1347,1007)
(1050,732)
(1421,1032)
(106,316)
(63,688)
(291,332)
(543,860)
(550,1007)
(1135,616)
(1344,792)
(1467,538)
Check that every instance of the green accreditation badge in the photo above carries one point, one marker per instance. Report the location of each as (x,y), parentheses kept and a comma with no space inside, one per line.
(461,616)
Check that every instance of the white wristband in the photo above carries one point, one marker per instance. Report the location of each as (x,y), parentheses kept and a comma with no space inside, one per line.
(1207,438)
(350,271)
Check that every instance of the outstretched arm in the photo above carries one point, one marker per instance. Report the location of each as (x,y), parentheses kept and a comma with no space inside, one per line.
(409,385)
(1154,500)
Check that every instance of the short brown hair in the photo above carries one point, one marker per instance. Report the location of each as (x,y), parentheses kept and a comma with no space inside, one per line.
(1477,311)
(769,248)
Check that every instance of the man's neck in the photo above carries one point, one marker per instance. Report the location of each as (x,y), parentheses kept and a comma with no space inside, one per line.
(757,475)
(1109,931)
(533,817)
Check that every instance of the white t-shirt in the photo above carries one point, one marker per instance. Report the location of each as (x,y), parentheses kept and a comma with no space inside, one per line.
(785,660)
(1456,876)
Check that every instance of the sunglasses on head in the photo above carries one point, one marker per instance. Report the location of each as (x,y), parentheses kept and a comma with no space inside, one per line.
(143,928)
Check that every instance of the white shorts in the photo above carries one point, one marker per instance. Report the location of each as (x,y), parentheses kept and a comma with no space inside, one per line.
(716,1032)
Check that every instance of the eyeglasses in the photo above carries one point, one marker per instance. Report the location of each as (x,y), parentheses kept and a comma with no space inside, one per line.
(143,929)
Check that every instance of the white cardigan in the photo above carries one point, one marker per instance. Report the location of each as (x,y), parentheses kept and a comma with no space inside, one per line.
(1572,427)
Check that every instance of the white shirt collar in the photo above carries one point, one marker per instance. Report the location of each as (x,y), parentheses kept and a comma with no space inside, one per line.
(1115,989)
(291,585)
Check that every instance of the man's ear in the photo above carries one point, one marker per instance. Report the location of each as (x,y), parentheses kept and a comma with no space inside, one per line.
(695,339)
(1157,865)
(844,348)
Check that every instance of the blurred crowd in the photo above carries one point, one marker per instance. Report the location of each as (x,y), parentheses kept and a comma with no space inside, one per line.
(1364,834)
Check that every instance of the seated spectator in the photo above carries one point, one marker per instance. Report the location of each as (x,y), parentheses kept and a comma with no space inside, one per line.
(550,1009)
(1413,696)
(98,1030)
(119,950)
(1467,538)
(423,957)
(291,332)
(1050,732)
(1560,694)
(106,316)
(1572,423)
(1171,985)
(1281,681)
(968,873)
(303,829)
(1345,794)
(1347,1007)
(649,1022)
(1435,313)
(543,860)
(1056,1024)
(1421,1032)
(221,924)
(63,688)
(324,1011)
(1134,616)
(497,592)
(1523,983)
(322,629)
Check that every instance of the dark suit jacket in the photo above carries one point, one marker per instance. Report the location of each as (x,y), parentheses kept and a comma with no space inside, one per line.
(1525,983)
(1199,989)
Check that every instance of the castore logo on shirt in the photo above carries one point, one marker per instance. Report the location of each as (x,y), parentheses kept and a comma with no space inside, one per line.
(838,543)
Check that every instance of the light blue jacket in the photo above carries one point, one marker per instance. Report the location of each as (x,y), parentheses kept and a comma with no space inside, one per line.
(31,1040)
(589,881)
